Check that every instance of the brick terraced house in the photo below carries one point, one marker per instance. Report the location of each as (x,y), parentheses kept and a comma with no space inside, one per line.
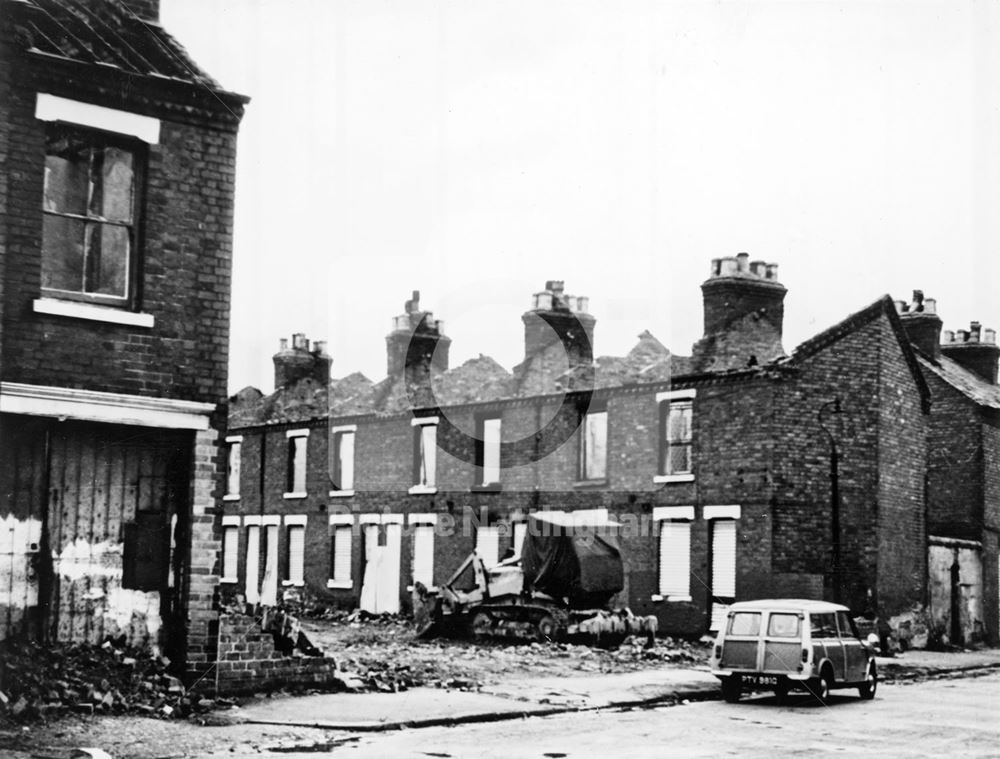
(117,160)
(737,472)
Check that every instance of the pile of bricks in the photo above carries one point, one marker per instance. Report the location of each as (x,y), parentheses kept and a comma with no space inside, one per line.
(38,681)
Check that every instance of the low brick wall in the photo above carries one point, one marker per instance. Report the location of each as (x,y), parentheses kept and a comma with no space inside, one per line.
(248,660)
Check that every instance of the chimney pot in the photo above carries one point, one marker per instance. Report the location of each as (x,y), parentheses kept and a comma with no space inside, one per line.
(728,266)
(543,301)
(555,286)
(930,306)
(319,347)
(975,329)
(283,344)
(299,341)
(990,336)
(901,306)
(583,304)
(772,271)
(742,260)
(948,336)
(963,335)
(716,267)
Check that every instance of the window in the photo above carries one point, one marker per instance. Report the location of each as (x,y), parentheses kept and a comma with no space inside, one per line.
(235,445)
(823,626)
(230,549)
(252,589)
(423,548)
(342,446)
(341,541)
(488,451)
(424,454)
(722,521)
(847,626)
(745,623)
(674,552)
(488,544)
(520,530)
(594,446)
(295,486)
(89,216)
(783,625)
(295,533)
(676,448)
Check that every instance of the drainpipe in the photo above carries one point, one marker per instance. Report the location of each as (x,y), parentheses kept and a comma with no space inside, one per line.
(834,408)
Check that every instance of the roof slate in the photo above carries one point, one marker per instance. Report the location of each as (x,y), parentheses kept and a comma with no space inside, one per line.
(968,383)
(106,33)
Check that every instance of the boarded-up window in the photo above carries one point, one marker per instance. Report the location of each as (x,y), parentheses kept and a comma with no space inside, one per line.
(594,446)
(340,553)
(230,553)
(724,559)
(296,553)
(489,451)
(297,463)
(675,448)
(253,564)
(233,468)
(423,554)
(675,559)
(343,460)
(488,544)
(425,455)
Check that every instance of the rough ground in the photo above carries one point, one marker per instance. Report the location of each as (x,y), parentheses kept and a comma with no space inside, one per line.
(386,654)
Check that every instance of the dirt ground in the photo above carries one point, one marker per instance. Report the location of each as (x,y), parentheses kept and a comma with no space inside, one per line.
(386,654)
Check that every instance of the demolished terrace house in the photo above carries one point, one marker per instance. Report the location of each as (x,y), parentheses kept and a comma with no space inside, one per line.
(115,258)
(737,472)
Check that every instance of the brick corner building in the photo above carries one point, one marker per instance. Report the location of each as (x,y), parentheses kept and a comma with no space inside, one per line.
(117,164)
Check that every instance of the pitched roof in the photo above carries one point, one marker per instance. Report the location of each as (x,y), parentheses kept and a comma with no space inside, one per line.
(105,33)
(847,326)
(968,383)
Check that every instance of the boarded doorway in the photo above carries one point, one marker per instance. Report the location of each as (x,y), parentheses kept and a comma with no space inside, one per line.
(382,537)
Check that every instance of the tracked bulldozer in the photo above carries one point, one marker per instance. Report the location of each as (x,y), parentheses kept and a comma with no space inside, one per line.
(559,588)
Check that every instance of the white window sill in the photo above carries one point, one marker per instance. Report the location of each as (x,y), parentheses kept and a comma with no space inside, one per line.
(430,588)
(293,583)
(422,490)
(340,583)
(75,310)
(673,478)
(231,497)
(289,496)
(341,493)
(229,580)
(670,599)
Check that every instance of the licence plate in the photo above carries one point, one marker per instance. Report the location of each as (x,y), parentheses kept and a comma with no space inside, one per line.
(768,681)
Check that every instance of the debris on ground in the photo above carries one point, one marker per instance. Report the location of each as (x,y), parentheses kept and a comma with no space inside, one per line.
(40,681)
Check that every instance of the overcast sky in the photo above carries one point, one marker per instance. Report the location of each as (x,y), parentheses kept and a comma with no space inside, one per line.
(472,150)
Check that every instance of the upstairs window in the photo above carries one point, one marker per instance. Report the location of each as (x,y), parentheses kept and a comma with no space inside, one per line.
(89,227)
(233,457)
(295,485)
(488,451)
(676,463)
(342,469)
(424,454)
(594,446)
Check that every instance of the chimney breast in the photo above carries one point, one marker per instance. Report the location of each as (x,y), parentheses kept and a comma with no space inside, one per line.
(922,324)
(557,318)
(297,362)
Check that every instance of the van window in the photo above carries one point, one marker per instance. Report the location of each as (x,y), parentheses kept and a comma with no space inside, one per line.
(823,626)
(783,626)
(847,628)
(744,623)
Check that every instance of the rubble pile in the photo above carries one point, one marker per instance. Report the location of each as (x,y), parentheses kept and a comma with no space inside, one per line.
(38,680)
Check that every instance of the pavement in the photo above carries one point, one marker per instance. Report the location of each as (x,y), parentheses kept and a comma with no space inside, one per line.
(426,707)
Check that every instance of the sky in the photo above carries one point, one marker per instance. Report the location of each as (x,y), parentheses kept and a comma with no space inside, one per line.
(473,150)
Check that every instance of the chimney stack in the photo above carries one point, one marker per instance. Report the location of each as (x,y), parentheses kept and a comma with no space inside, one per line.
(417,344)
(560,323)
(744,313)
(975,349)
(298,362)
(922,324)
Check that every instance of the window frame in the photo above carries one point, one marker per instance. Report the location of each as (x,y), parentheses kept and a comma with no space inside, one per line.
(230,550)
(139,150)
(665,401)
(673,515)
(428,483)
(294,522)
(234,443)
(481,481)
(336,460)
(343,524)
(422,524)
(297,441)
(584,477)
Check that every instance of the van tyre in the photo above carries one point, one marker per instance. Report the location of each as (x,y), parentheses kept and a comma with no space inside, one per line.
(821,686)
(868,687)
(732,689)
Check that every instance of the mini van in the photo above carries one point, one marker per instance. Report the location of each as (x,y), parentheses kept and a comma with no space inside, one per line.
(783,644)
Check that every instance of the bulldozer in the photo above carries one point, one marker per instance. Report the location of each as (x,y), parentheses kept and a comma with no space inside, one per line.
(557,589)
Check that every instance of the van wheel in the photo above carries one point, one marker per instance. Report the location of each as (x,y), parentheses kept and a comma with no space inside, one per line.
(867,689)
(732,688)
(821,686)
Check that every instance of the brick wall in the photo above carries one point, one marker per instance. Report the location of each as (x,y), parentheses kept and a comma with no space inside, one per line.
(185,256)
